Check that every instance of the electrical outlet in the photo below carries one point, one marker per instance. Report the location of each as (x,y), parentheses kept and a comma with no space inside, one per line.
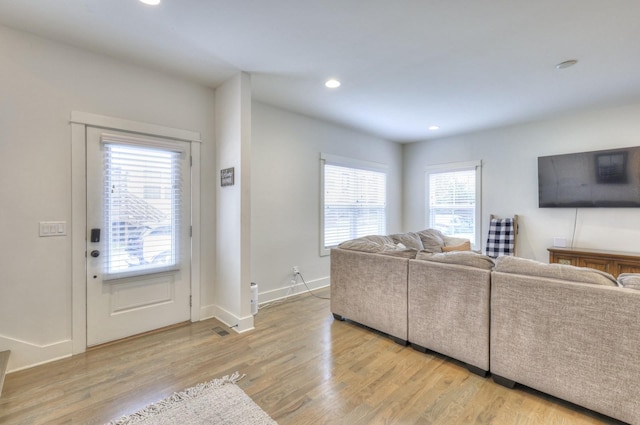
(295,270)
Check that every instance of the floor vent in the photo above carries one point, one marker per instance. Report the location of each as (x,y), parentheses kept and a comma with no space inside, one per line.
(220,331)
(4,361)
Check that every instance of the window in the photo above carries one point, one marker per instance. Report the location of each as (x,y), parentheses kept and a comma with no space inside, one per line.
(453,200)
(354,200)
(143,227)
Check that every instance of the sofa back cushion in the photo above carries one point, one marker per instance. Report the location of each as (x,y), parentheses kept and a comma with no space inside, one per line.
(399,251)
(464,258)
(410,240)
(524,266)
(432,240)
(376,244)
(373,243)
(406,245)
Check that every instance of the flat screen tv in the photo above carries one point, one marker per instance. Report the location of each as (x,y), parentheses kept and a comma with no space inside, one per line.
(606,179)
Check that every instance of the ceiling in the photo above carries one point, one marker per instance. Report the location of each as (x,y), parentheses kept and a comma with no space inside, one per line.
(405,65)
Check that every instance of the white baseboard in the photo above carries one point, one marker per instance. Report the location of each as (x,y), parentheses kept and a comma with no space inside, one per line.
(238,324)
(291,291)
(244,324)
(25,354)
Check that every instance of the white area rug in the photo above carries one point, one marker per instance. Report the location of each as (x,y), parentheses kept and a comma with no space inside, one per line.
(216,402)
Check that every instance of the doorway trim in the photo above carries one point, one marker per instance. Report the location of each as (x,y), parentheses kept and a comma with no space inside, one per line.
(79,122)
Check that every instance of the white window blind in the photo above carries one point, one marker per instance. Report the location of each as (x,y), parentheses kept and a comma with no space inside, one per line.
(354,203)
(142,204)
(452,202)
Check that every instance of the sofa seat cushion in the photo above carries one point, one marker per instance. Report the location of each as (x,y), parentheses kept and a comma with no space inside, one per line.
(629,280)
(524,266)
(464,258)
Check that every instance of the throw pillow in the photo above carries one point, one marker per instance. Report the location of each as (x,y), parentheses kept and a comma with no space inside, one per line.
(629,280)
(452,240)
(465,246)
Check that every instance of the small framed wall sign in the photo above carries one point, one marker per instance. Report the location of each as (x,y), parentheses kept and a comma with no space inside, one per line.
(226,177)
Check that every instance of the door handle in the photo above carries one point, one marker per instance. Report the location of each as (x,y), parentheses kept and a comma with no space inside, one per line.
(95,253)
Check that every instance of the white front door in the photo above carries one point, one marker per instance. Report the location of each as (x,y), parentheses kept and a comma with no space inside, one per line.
(138,234)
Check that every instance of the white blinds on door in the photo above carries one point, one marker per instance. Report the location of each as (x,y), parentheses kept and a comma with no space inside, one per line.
(142,204)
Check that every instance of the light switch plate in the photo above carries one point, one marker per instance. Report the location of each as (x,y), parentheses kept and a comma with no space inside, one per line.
(53,228)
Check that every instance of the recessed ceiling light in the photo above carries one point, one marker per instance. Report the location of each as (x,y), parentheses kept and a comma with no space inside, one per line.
(332,83)
(566,64)
(151,2)
(434,127)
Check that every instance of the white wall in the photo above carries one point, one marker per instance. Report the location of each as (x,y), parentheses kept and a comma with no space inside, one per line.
(41,82)
(233,213)
(510,180)
(285,202)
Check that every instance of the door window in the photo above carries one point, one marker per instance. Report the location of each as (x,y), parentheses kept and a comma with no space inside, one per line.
(142,204)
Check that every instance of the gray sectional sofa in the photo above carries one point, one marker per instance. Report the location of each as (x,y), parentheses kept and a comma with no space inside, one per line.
(392,284)
(570,332)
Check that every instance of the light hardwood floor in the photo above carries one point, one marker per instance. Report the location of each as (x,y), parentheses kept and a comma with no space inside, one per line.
(301,367)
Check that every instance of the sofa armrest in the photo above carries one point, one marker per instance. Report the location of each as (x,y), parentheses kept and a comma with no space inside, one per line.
(370,289)
(575,341)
